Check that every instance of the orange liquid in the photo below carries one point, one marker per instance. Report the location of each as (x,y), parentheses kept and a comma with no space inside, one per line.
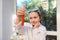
(22,20)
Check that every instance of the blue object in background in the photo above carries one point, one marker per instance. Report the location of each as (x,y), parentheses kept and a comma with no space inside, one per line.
(20,3)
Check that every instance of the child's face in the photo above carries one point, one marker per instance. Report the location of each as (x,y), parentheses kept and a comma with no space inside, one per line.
(34,18)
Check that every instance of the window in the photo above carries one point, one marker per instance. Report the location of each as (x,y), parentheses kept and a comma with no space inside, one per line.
(51,37)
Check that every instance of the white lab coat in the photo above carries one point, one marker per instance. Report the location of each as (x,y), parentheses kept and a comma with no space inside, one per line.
(33,34)
(37,33)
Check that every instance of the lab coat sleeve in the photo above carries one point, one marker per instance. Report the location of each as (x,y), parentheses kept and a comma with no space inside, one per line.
(43,34)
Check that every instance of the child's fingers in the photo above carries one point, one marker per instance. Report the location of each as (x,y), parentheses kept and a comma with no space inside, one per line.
(21,11)
(36,25)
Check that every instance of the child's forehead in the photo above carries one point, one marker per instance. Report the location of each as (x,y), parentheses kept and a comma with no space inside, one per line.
(33,14)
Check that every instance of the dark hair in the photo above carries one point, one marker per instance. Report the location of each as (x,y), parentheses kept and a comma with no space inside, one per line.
(38,12)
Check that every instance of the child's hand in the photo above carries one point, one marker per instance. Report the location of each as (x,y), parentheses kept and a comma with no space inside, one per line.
(36,25)
(18,20)
(21,11)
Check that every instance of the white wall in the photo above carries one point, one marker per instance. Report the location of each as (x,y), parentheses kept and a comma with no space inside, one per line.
(58,19)
(8,10)
(0,19)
